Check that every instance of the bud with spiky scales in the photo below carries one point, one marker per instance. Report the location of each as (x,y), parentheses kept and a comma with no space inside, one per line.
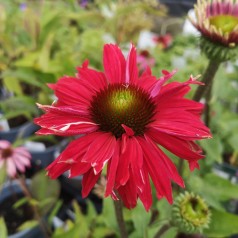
(217,21)
(190,213)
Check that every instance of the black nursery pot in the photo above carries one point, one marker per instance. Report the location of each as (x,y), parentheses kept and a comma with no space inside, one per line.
(43,158)
(10,193)
(23,131)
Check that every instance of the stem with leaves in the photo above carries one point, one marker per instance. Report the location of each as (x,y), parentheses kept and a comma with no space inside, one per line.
(28,195)
(207,79)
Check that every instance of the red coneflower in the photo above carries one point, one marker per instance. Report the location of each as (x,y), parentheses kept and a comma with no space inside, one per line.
(124,120)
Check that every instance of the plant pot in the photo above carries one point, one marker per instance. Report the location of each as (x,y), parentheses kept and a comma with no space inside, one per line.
(12,191)
(42,156)
(226,171)
(23,131)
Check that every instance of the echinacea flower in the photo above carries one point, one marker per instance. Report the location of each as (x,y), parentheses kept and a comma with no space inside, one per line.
(13,158)
(124,121)
(217,20)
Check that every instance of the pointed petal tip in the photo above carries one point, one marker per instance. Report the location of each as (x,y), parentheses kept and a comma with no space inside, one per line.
(128,130)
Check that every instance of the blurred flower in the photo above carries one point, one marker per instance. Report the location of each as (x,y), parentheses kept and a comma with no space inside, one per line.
(190,213)
(144,60)
(122,118)
(13,158)
(23,6)
(164,41)
(217,20)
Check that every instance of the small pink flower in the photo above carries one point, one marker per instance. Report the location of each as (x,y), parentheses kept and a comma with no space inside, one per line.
(144,60)
(164,41)
(14,158)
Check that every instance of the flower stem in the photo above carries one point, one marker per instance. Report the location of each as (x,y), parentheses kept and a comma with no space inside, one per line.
(120,220)
(162,230)
(207,79)
(28,195)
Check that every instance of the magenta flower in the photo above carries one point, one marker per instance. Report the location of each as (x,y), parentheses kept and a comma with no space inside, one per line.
(124,121)
(217,20)
(13,158)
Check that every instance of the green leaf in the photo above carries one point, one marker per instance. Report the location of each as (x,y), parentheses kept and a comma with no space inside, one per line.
(28,225)
(45,191)
(13,85)
(42,187)
(213,150)
(3,175)
(170,233)
(140,219)
(3,228)
(20,202)
(222,224)
(55,210)
(108,215)
(211,188)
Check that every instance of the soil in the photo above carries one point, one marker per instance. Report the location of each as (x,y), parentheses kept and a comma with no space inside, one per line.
(15,217)
(17,121)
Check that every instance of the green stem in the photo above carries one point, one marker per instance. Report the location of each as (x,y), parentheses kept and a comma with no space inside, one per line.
(27,193)
(120,220)
(207,105)
(207,79)
(162,230)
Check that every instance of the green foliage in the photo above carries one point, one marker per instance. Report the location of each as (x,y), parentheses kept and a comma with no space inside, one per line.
(223,224)
(45,192)
(211,188)
(3,228)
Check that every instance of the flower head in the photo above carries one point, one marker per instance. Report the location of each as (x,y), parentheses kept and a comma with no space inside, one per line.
(125,120)
(217,20)
(13,158)
(190,213)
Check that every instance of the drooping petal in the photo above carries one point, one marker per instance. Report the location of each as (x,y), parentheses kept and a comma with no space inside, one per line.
(98,156)
(89,180)
(156,170)
(112,170)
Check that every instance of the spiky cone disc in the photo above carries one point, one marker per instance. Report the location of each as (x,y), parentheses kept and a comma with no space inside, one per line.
(218,52)
(190,213)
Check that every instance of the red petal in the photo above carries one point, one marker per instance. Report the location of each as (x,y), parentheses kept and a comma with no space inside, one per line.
(114,64)
(88,182)
(131,67)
